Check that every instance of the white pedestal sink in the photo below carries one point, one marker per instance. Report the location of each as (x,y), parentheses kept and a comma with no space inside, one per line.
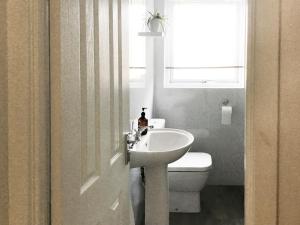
(155,151)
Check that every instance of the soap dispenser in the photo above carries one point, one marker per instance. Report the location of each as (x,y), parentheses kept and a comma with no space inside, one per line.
(143,122)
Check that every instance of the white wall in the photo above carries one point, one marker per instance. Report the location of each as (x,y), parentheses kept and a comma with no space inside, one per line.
(141,97)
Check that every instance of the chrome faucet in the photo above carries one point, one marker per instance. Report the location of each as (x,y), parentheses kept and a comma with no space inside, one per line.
(142,129)
(134,135)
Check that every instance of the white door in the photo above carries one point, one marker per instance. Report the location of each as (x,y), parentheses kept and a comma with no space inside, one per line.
(89,107)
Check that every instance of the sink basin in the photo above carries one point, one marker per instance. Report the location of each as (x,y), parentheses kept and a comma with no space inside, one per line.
(154,152)
(160,146)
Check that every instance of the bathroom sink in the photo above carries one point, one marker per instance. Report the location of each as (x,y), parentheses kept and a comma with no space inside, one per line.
(154,152)
(160,146)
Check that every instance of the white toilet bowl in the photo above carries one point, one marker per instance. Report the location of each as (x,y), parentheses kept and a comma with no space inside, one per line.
(187,177)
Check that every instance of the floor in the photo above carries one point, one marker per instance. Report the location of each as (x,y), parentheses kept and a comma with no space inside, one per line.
(221,205)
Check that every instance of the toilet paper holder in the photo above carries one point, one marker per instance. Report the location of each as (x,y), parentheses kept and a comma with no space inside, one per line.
(226,112)
(225,102)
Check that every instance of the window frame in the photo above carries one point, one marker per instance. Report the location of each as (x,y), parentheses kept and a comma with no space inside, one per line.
(170,82)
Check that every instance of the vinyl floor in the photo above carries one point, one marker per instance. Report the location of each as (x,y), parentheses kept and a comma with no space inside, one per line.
(221,205)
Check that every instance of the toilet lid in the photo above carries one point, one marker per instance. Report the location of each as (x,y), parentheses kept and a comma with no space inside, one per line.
(192,161)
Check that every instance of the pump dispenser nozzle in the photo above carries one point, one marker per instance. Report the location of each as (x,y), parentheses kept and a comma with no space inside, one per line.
(143,122)
(143,112)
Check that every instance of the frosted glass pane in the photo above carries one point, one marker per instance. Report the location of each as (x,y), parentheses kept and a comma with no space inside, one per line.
(205,33)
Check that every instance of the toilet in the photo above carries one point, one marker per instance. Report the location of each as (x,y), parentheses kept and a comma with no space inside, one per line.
(187,177)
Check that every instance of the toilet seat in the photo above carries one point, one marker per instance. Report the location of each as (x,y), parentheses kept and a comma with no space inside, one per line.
(192,161)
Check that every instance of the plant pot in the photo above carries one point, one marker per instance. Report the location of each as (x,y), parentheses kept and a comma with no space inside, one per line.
(154,25)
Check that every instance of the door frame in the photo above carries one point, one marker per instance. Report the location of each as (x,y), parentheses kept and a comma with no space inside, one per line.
(262,113)
(25,124)
(25,113)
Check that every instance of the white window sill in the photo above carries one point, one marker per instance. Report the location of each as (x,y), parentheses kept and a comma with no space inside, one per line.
(212,85)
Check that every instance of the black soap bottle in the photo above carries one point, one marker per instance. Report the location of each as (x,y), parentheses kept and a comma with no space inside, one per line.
(143,122)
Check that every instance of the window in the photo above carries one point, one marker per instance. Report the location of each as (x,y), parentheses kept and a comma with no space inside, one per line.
(205,43)
(137,45)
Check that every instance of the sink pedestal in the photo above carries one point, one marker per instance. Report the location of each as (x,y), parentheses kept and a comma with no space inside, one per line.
(154,151)
(156,195)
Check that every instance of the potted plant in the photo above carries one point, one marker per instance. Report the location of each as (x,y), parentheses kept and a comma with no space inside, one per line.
(155,21)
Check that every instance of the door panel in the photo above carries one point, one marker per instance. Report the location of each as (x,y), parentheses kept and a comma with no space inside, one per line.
(115,75)
(89,97)
(89,106)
